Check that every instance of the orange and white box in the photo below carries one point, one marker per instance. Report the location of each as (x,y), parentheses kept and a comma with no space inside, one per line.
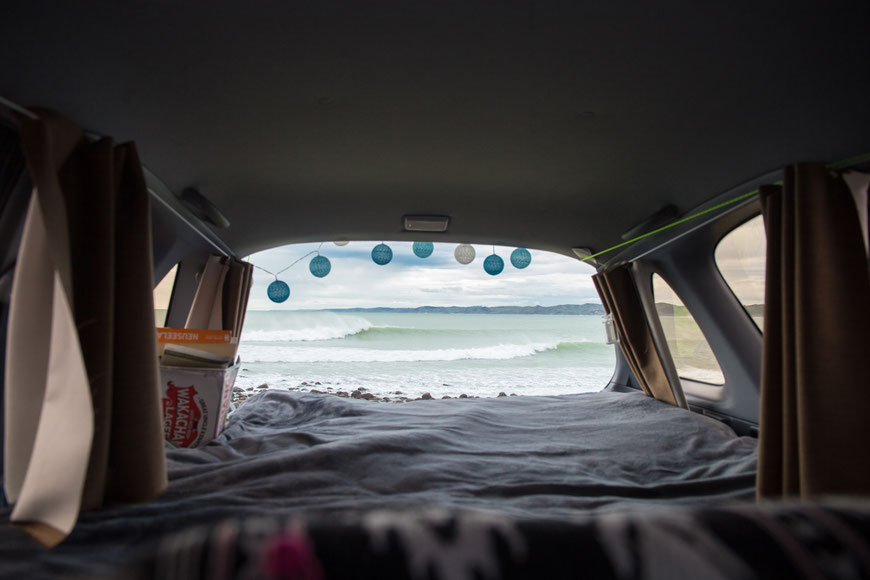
(196,400)
(195,403)
(214,341)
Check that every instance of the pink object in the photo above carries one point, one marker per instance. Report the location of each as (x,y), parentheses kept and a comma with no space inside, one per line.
(289,556)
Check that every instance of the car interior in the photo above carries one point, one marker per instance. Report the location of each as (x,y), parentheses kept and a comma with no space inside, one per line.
(661,143)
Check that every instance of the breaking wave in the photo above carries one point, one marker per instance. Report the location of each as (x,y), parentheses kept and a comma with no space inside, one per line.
(327,328)
(273,354)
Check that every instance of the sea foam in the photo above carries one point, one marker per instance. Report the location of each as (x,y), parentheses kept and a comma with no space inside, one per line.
(256,353)
(323,326)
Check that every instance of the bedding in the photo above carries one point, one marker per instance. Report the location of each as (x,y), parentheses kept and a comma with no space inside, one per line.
(547,460)
(795,541)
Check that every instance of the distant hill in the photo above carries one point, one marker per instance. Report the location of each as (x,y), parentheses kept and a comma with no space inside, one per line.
(578,309)
(668,309)
(755,309)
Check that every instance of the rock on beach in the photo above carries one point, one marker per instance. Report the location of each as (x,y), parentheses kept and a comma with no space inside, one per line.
(242,394)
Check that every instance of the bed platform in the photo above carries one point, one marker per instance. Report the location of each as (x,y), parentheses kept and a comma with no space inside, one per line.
(541,470)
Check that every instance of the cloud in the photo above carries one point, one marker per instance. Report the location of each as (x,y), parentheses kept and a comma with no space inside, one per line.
(408,281)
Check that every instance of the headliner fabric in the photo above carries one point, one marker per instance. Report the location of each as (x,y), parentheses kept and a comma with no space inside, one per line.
(535,123)
(550,458)
(814,421)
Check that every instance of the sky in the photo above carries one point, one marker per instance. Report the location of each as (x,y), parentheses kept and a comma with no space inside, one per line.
(355,281)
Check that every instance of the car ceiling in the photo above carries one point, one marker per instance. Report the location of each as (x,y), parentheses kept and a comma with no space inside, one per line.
(535,123)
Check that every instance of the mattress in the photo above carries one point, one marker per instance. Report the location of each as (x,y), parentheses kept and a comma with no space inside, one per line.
(548,460)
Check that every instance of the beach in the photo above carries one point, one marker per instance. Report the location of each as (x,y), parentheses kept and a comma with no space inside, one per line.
(398,357)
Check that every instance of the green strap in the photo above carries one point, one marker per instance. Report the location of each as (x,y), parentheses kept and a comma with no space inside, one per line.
(836,165)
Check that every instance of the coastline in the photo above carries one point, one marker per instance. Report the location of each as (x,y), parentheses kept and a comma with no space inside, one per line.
(241,394)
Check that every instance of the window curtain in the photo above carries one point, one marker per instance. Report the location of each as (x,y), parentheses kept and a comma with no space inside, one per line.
(621,300)
(815,401)
(15,191)
(82,400)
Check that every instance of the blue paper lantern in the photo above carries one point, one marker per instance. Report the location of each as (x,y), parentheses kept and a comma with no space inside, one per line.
(278,291)
(319,266)
(493,265)
(423,249)
(521,258)
(382,254)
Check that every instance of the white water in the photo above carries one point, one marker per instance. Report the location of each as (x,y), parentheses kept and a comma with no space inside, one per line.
(443,354)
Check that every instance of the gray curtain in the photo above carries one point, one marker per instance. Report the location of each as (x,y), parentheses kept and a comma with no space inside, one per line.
(621,300)
(815,400)
(15,191)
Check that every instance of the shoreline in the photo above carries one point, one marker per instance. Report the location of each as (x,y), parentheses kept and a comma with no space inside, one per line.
(242,394)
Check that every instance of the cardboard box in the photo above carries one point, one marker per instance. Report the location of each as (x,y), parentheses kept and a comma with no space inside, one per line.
(195,403)
(214,341)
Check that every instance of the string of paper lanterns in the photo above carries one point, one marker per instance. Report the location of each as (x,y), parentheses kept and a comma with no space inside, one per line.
(320,266)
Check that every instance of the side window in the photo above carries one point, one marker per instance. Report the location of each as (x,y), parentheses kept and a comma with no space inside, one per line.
(740,257)
(692,355)
(162,296)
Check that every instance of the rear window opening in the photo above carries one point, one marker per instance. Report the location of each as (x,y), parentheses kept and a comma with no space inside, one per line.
(418,326)
(163,295)
(690,351)
(741,257)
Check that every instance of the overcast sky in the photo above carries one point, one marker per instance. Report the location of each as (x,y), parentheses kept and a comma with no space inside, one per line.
(408,281)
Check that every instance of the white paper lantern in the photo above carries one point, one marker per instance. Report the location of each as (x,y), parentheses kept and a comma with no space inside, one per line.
(464,253)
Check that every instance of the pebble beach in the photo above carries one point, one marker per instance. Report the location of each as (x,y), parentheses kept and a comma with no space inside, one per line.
(242,394)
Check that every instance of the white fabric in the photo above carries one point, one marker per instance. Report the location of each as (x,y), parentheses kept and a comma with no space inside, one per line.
(859,183)
(206,311)
(49,421)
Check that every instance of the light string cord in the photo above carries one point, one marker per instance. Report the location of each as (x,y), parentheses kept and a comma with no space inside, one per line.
(317,251)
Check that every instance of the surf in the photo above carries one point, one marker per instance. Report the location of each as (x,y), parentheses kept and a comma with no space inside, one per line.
(291,354)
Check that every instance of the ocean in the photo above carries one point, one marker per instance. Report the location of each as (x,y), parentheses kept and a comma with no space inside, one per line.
(409,354)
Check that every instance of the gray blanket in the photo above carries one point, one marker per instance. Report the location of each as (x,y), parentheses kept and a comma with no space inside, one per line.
(523,457)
